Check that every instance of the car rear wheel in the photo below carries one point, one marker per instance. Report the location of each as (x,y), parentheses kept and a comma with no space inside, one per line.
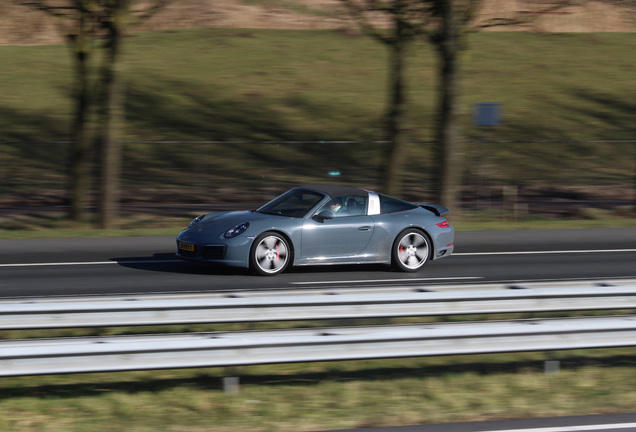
(270,254)
(411,250)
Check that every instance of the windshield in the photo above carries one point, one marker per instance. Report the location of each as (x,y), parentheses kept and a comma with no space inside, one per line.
(294,203)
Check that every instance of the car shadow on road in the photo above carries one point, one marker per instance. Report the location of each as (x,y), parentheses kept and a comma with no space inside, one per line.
(341,268)
(170,263)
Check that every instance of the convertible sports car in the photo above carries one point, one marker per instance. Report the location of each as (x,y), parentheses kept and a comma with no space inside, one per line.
(321,224)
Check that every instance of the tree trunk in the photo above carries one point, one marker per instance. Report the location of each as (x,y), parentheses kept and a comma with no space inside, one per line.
(80,150)
(109,140)
(447,146)
(394,154)
(394,160)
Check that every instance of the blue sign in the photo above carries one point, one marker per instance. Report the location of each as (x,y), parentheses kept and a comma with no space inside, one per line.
(487,114)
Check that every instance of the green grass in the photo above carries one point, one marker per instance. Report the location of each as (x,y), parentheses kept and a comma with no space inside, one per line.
(16,226)
(265,85)
(285,84)
(144,225)
(323,396)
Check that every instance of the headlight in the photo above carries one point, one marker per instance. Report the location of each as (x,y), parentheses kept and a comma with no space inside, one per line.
(237,230)
(196,220)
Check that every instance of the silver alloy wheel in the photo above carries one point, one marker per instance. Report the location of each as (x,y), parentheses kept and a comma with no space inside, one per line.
(411,251)
(270,254)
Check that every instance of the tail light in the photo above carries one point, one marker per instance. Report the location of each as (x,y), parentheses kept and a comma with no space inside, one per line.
(443,224)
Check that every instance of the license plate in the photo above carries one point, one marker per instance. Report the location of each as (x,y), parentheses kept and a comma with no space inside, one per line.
(186,246)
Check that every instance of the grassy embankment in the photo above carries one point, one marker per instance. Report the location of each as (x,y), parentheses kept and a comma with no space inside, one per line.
(230,85)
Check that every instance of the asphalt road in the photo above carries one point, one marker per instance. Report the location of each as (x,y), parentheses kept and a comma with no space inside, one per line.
(591,423)
(95,266)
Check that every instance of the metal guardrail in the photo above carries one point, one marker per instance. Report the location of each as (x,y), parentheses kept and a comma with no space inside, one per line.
(144,352)
(121,353)
(294,306)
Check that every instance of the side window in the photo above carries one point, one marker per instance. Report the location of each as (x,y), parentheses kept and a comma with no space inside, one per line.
(334,205)
(346,205)
(356,206)
(391,205)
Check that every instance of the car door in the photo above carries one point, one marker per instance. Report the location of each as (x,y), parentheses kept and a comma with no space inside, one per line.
(338,240)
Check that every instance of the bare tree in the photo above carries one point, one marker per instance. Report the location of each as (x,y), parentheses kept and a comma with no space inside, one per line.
(76,22)
(114,18)
(446,25)
(408,19)
(449,39)
(89,25)
(457,19)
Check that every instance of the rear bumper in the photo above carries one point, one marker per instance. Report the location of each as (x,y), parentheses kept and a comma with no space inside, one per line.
(443,241)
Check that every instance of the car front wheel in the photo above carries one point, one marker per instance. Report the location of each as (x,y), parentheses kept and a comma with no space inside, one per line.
(270,254)
(411,250)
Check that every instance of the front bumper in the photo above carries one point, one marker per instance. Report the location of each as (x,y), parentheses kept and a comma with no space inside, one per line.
(234,252)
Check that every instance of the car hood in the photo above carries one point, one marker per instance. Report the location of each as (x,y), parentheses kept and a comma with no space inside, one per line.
(225,216)
(216,224)
(230,218)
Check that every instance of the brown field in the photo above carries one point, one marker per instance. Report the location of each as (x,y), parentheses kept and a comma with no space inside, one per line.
(22,26)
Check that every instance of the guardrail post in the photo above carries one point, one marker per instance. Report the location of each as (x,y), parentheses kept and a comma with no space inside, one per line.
(552,366)
(231,381)
(231,385)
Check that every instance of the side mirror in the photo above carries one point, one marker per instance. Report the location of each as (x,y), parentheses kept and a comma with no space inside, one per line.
(323,215)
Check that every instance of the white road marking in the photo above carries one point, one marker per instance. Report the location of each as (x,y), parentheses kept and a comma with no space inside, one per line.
(544,252)
(569,428)
(386,280)
(80,263)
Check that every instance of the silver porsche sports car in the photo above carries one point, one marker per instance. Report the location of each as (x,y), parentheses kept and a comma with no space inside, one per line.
(321,224)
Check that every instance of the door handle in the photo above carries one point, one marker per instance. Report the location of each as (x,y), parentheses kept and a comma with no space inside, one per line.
(364,228)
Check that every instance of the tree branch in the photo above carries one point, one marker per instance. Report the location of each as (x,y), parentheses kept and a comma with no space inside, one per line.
(360,16)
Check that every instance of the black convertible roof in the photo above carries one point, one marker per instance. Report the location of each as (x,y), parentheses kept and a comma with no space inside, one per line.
(336,190)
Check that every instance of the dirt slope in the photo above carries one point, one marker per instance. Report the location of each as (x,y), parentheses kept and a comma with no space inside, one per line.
(22,26)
